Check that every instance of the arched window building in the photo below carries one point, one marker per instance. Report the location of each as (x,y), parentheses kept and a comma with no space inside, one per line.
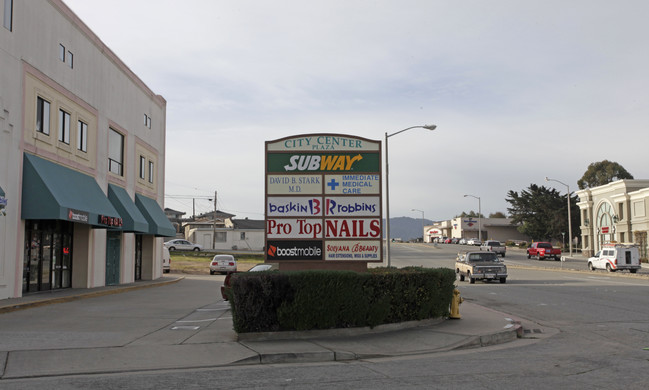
(614,212)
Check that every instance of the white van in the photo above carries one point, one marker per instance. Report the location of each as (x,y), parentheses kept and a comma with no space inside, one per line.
(615,257)
(166,260)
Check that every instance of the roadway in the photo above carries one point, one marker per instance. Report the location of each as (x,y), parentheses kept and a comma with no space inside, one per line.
(585,330)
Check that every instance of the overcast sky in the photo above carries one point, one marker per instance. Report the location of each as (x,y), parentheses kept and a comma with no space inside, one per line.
(519,90)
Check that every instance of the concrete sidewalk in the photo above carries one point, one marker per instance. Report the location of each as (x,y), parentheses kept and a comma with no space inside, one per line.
(205,338)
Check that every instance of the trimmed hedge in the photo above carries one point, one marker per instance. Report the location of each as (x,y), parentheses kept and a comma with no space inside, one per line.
(304,300)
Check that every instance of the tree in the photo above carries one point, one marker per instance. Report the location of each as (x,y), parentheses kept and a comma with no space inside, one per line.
(541,212)
(497,214)
(603,172)
(472,214)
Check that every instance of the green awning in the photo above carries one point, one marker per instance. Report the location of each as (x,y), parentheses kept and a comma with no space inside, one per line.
(159,224)
(52,191)
(133,220)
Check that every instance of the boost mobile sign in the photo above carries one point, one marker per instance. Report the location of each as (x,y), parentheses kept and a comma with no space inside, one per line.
(323,191)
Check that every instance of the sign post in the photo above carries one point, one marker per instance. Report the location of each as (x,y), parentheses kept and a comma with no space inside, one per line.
(323,202)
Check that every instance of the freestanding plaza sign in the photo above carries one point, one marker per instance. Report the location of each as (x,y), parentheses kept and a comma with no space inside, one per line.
(323,201)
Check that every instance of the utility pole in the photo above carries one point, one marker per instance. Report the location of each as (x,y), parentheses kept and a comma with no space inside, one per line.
(214,224)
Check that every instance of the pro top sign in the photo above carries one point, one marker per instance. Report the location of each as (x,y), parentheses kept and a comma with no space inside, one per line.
(323,198)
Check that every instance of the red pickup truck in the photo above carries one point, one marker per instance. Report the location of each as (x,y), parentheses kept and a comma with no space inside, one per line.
(543,250)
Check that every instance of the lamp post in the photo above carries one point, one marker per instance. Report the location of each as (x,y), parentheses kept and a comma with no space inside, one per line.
(422,223)
(387,185)
(479,216)
(569,220)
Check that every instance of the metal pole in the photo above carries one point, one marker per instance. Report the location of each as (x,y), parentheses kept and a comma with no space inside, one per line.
(214,224)
(422,223)
(569,222)
(569,217)
(387,202)
(387,185)
(479,221)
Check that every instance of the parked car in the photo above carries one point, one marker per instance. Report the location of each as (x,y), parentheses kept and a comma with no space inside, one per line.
(462,241)
(166,260)
(223,264)
(447,241)
(183,245)
(494,246)
(455,240)
(480,265)
(473,241)
(257,268)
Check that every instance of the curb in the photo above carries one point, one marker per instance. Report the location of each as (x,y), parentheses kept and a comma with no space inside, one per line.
(89,294)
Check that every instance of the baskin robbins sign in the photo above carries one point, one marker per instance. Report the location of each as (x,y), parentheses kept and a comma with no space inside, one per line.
(323,199)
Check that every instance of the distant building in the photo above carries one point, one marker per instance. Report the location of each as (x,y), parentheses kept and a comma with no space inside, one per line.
(82,158)
(616,211)
(500,229)
(175,217)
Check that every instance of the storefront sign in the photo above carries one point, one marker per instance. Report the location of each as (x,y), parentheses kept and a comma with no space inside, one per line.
(294,250)
(78,216)
(323,162)
(353,228)
(294,207)
(294,184)
(322,142)
(352,184)
(323,189)
(352,250)
(294,228)
(110,221)
(352,206)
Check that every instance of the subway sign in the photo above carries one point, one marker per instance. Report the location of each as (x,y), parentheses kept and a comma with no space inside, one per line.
(323,198)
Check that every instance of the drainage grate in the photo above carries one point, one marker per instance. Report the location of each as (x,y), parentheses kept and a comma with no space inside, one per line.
(185,328)
(528,331)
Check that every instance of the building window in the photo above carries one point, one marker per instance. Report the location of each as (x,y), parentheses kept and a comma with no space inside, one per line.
(61,52)
(142,167)
(243,235)
(70,59)
(150,171)
(8,15)
(221,237)
(147,121)
(82,136)
(620,214)
(64,127)
(115,152)
(42,116)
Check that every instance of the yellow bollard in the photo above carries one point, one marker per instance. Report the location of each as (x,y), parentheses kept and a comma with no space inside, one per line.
(455,305)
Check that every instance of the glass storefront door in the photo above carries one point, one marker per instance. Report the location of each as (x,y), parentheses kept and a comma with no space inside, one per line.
(48,255)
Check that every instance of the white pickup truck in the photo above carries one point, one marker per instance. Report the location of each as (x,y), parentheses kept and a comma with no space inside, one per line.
(615,257)
(494,246)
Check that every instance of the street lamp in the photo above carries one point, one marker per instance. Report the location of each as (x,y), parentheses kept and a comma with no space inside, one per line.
(569,220)
(387,185)
(479,216)
(422,223)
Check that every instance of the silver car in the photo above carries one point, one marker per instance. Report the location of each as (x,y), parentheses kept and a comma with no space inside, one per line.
(180,244)
(223,264)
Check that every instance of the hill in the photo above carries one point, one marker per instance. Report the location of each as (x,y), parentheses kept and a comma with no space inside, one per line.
(407,228)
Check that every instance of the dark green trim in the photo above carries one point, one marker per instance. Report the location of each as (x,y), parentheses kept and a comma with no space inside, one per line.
(132,218)
(2,192)
(159,224)
(52,191)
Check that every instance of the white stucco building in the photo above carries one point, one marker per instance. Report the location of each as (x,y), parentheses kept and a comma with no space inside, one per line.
(500,229)
(616,211)
(82,146)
